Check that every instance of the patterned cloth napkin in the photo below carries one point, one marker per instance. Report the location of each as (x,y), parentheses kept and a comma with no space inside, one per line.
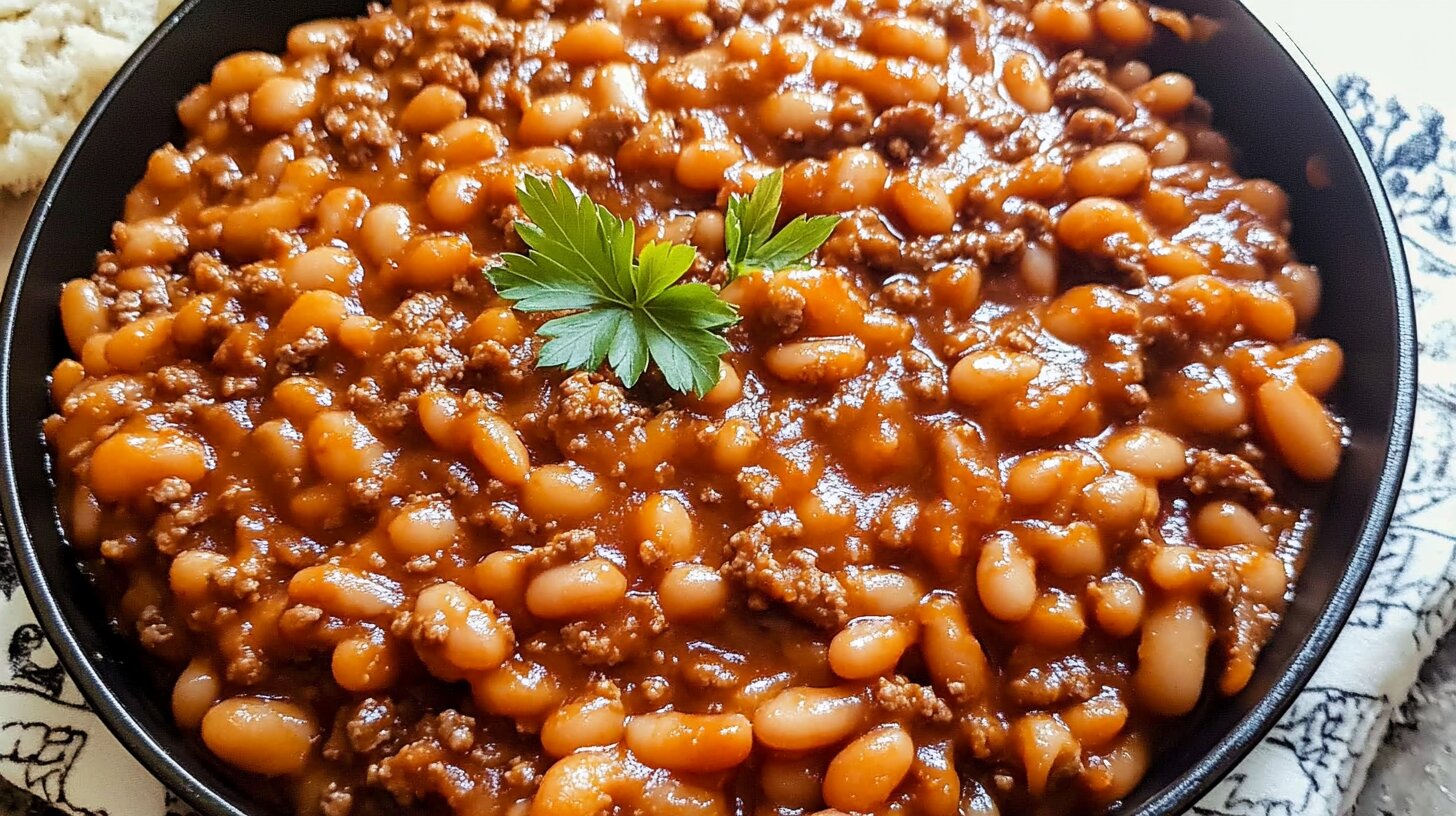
(1315,760)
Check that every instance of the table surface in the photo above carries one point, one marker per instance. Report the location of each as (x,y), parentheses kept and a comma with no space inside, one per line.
(1415,771)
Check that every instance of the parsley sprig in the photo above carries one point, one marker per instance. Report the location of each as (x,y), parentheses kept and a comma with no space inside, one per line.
(748,230)
(627,311)
(630,311)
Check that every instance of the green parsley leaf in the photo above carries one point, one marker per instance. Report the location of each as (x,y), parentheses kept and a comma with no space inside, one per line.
(748,230)
(627,313)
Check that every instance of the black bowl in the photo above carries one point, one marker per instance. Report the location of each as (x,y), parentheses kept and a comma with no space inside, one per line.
(1266,98)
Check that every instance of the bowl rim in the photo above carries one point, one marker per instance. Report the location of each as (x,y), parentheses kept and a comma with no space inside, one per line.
(1173,798)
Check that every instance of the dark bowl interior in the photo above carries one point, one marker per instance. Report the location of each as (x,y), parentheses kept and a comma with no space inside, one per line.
(1266,98)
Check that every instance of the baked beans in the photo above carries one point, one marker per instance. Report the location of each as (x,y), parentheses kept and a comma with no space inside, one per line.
(1006,474)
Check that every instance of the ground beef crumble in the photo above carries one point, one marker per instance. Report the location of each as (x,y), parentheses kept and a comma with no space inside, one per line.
(792,578)
(1211,472)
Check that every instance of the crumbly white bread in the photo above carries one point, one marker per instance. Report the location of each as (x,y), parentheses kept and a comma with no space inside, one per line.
(55,57)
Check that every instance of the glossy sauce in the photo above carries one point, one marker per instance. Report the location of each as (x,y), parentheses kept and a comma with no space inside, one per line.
(1002,479)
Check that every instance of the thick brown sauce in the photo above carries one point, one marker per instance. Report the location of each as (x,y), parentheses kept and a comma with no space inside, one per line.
(1018,443)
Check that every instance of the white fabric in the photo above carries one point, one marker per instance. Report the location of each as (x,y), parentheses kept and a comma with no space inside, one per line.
(1384,59)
